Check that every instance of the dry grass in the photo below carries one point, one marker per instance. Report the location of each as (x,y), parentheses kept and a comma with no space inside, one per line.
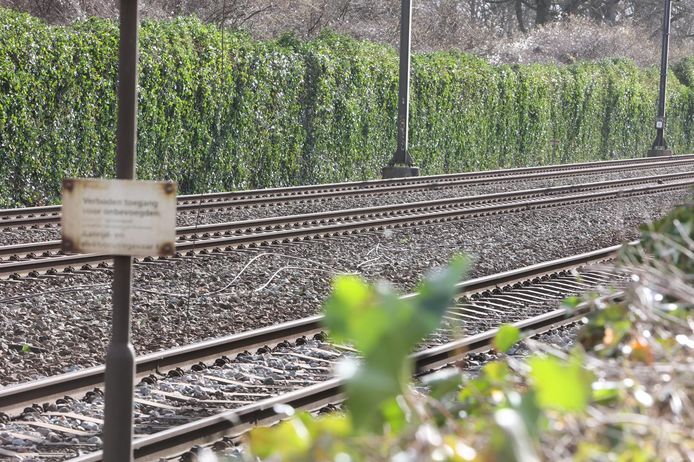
(441,25)
(580,40)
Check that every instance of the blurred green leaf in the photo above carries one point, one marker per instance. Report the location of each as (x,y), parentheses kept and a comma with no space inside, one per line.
(477,389)
(507,336)
(496,371)
(394,415)
(287,439)
(571,302)
(385,329)
(349,312)
(367,391)
(605,393)
(563,386)
(531,413)
(438,289)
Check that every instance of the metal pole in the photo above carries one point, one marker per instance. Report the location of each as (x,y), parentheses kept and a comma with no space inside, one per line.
(401,163)
(660,147)
(401,155)
(120,356)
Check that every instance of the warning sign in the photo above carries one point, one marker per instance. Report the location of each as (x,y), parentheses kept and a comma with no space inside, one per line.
(119,217)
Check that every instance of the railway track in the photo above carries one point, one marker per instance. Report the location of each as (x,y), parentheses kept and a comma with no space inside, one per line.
(191,233)
(49,216)
(32,259)
(219,396)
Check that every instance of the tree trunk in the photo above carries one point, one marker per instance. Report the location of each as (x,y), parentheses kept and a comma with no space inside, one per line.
(572,7)
(611,11)
(542,16)
(519,16)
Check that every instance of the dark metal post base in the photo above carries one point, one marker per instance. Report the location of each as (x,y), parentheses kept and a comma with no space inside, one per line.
(660,152)
(118,427)
(396,171)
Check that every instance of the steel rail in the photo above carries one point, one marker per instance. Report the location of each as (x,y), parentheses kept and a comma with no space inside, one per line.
(368,184)
(314,219)
(396,189)
(16,397)
(409,207)
(217,244)
(50,215)
(179,439)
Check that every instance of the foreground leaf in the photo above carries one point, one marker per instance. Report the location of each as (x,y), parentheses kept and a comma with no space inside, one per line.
(506,337)
(561,386)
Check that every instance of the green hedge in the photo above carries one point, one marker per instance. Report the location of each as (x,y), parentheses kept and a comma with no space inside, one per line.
(290,112)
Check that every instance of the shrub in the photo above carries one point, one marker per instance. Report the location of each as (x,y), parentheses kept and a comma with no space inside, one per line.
(219,112)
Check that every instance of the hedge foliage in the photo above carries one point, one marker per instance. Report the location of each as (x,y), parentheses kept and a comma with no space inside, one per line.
(225,111)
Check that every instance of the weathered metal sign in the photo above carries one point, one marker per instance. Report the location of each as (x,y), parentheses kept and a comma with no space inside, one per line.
(119,217)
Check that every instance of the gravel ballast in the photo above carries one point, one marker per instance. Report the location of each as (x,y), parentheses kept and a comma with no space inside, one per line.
(186,300)
(65,428)
(21,236)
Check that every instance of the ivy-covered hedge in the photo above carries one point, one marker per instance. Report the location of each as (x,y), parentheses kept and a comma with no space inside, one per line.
(684,70)
(226,112)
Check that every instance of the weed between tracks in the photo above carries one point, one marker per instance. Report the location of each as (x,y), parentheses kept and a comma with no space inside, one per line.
(623,393)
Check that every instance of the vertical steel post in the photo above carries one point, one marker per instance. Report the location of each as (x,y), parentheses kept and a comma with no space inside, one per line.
(401,155)
(400,164)
(660,147)
(120,356)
